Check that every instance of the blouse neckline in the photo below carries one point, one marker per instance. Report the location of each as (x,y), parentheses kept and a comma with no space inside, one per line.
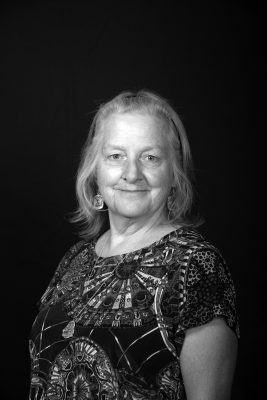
(175,233)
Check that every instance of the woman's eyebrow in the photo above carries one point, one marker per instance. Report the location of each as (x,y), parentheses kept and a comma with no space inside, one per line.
(119,147)
(113,146)
(157,147)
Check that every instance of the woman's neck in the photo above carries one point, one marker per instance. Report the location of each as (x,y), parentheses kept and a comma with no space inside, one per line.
(131,235)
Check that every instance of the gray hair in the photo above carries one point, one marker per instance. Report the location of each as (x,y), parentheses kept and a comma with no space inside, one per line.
(93,221)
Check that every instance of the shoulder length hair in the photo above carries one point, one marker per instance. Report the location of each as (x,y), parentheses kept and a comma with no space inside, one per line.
(93,222)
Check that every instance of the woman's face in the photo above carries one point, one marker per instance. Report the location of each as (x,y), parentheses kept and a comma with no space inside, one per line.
(134,173)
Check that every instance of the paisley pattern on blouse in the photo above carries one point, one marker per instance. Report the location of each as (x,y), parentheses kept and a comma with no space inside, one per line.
(113,328)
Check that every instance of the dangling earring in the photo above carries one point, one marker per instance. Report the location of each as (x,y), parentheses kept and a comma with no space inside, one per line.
(98,202)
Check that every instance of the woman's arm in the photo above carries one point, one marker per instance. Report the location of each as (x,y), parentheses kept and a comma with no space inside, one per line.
(208,360)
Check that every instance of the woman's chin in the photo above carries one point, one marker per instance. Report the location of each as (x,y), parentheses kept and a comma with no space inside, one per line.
(131,211)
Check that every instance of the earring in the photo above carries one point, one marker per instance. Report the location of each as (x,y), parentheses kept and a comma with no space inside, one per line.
(98,202)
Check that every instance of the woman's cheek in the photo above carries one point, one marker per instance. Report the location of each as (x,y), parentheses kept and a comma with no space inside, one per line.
(108,176)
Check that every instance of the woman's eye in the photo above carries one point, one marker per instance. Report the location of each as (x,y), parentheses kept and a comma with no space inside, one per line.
(115,157)
(151,158)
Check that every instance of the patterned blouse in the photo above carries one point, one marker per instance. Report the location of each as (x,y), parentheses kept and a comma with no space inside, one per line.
(113,327)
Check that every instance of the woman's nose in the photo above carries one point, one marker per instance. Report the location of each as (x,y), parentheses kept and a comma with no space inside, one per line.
(132,171)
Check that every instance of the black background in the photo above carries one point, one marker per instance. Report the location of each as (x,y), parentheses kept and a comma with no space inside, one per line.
(58,62)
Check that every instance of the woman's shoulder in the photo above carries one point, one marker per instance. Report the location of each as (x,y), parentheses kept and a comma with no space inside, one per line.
(190,239)
(191,248)
(81,250)
(203,266)
(72,262)
(187,238)
(73,250)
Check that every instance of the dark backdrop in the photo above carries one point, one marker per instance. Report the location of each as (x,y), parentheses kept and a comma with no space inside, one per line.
(58,62)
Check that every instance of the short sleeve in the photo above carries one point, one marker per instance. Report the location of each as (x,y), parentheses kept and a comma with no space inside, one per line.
(208,291)
(51,294)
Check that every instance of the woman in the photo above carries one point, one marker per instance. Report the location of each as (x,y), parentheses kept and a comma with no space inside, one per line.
(143,307)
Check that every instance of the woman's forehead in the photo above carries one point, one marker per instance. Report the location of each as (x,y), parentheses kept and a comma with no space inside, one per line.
(133,123)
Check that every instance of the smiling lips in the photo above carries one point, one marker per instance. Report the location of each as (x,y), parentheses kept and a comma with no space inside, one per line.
(131,190)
